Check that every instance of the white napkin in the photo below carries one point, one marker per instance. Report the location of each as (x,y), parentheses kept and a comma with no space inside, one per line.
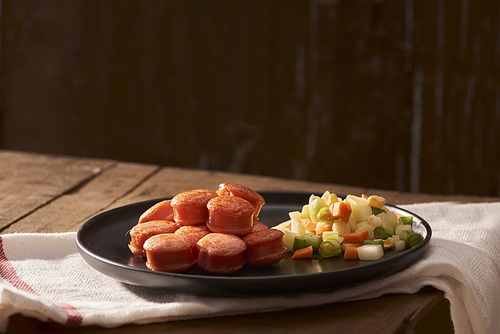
(43,276)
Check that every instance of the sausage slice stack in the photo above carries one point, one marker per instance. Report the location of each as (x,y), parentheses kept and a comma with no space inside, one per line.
(218,231)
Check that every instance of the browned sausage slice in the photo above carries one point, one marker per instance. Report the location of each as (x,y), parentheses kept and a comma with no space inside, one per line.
(169,252)
(220,253)
(193,233)
(258,226)
(142,232)
(238,190)
(190,207)
(228,214)
(264,248)
(160,211)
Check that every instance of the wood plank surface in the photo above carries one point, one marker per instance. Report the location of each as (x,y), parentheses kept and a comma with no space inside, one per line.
(30,181)
(94,195)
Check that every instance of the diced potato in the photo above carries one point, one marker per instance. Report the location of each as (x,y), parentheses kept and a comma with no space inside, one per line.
(370,252)
(359,207)
(312,198)
(399,245)
(394,218)
(326,196)
(359,200)
(386,221)
(366,212)
(288,239)
(354,207)
(402,228)
(295,215)
(352,222)
(364,226)
(330,235)
(298,228)
(340,227)
(375,221)
(305,211)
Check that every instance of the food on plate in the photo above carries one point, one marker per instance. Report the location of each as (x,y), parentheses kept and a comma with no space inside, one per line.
(264,248)
(143,231)
(358,227)
(351,253)
(220,253)
(229,214)
(258,226)
(193,233)
(219,232)
(190,207)
(303,253)
(238,190)
(160,211)
(169,252)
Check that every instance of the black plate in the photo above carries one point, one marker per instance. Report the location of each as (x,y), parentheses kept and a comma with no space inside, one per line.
(103,242)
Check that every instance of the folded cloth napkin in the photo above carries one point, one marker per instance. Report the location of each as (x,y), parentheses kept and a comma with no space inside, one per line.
(43,276)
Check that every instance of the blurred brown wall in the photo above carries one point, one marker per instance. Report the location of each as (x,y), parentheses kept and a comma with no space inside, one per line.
(389,94)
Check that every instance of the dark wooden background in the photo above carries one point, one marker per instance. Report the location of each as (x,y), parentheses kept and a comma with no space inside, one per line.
(390,94)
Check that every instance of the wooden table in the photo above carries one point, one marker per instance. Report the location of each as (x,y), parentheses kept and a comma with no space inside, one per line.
(46,193)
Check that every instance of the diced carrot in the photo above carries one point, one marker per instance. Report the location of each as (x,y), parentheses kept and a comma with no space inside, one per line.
(364,196)
(320,228)
(353,244)
(341,210)
(303,253)
(355,236)
(310,226)
(351,253)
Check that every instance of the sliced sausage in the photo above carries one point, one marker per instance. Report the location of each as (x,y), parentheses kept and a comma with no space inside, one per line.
(228,214)
(238,190)
(190,207)
(169,252)
(264,248)
(220,253)
(258,226)
(193,233)
(160,211)
(142,232)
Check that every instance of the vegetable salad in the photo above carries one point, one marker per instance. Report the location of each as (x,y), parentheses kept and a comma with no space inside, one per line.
(353,227)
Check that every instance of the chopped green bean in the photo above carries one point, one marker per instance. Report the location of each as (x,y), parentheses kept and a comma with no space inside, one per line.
(299,242)
(408,220)
(404,235)
(382,233)
(376,211)
(413,240)
(313,240)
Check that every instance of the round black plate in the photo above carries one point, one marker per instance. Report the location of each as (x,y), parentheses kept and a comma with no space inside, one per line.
(103,243)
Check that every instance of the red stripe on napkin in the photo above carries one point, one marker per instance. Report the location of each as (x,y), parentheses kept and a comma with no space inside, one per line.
(7,272)
(74,317)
